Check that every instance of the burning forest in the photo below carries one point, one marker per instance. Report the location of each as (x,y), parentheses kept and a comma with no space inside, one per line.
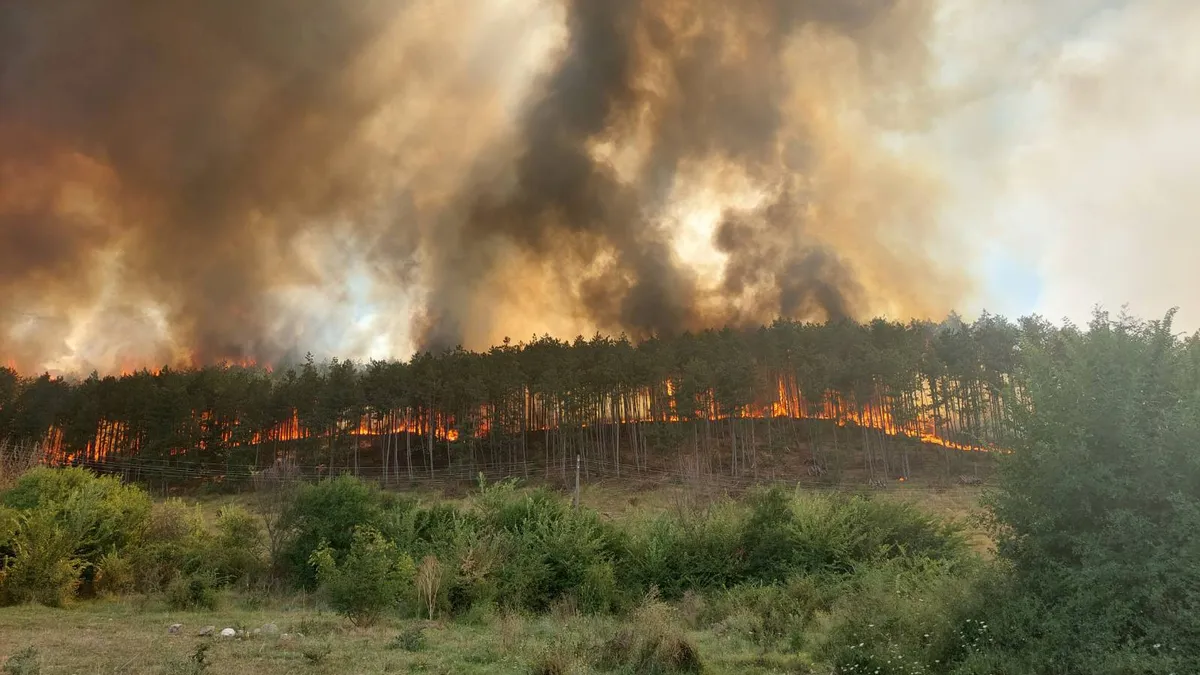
(728,401)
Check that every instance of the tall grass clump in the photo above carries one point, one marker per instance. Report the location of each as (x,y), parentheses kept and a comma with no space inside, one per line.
(651,643)
(774,536)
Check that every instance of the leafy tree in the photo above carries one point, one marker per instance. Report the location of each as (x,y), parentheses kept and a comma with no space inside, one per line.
(1099,509)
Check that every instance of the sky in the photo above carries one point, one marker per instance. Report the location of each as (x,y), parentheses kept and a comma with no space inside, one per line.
(1073,164)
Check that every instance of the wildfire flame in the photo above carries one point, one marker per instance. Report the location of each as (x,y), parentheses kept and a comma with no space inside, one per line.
(114,437)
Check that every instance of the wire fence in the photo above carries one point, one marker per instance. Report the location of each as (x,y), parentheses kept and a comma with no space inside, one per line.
(172,473)
(592,471)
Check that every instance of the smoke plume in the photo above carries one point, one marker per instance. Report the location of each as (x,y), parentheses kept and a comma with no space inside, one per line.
(188,181)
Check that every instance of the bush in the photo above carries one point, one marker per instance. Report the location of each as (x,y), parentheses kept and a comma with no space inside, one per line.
(903,616)
(598,591)
(776,536)
(327,514)
(373,578)
(1098,507)
(810,535)
(196,591)
(545,547)
(411,639)
(114,574)
(98,511)
(43,567)
(698,551)
(768,615)
(175,544)
(238,552)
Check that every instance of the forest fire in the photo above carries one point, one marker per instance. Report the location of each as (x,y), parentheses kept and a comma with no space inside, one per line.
(724,395)
(113,438)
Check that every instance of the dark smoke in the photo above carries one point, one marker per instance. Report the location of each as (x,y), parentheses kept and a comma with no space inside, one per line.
(708,79)
(215,156)
(225,126)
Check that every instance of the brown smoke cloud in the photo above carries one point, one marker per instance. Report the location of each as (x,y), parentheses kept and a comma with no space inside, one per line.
(198,180)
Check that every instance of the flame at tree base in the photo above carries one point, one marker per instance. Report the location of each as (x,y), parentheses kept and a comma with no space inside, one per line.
(209,433)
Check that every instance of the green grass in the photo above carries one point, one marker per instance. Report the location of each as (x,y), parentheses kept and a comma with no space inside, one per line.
(130,637)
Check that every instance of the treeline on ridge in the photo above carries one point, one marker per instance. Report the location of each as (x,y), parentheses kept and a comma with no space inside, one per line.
(721,396)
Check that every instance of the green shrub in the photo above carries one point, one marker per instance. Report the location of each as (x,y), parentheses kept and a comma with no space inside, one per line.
(471,581)
(775,536)
(902,616)
(545,548)
(598,591)
(196,591)
(98,511)
(326,514)
(373,577)
(698,551)
(114,574)
(46,485)
(43,567)
(175,544)
(815,534)
(773,615)
(1098,506)
(411,639)
(238,551)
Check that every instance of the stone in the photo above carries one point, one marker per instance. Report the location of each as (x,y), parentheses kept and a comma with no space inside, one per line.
(174,628)
(207,630)
(228,632)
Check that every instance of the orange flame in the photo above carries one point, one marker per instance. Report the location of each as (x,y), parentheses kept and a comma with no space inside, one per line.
(639,406)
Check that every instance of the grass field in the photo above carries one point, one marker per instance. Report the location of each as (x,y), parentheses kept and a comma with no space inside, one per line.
(124,638)
(130,636)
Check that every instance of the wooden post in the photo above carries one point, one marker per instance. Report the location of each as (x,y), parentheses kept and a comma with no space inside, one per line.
(576,502)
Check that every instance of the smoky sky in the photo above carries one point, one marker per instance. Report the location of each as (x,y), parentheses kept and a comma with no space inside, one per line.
(248,169)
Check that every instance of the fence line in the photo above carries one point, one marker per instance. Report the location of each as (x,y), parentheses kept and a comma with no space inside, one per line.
(595,470)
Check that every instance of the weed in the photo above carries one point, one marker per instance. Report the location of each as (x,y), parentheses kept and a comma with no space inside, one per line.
(24,662)
(429,578)
(316,651)
(411,639)
(553,662)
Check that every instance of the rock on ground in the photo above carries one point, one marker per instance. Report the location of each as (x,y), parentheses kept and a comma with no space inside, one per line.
(228,632)
(174,628)
(207,630)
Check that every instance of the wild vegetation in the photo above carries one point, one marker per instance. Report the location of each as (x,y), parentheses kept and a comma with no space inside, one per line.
(1095,569)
